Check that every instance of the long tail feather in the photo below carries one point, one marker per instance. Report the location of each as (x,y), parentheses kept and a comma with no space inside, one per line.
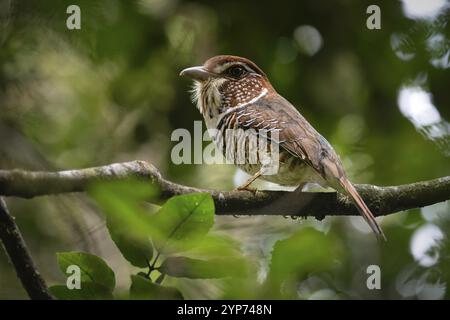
(362,207)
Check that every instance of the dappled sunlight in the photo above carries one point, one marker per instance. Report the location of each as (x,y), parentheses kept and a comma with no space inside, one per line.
(401,47)
(156,7)
(308,39)
(423,9)
(437,212)
(410,283)
(423,244)
(438,46)
(416,104)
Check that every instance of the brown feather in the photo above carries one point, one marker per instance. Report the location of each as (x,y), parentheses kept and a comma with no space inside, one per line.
(301,140)
(362,207)
(249,101)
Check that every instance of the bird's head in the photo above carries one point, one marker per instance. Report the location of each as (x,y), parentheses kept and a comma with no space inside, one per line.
(224,82)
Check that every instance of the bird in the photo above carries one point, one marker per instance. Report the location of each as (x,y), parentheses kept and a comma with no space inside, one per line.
(232,93)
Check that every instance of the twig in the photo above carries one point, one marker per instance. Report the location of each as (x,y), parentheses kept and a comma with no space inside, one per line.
(18,253)
(381,200)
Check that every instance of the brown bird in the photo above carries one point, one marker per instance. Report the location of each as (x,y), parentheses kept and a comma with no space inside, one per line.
(234,93)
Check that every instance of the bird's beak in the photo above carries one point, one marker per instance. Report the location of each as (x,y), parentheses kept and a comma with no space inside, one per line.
(196,73)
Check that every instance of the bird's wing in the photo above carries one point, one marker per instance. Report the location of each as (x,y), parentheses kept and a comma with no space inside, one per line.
(295,134)
(299,138)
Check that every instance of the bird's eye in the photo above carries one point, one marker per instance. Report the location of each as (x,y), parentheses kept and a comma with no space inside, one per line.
(236,72)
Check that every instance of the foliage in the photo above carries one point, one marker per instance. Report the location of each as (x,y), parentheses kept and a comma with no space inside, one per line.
(97,278)
(142,288)
(293,259)
(155,241)
(145,238)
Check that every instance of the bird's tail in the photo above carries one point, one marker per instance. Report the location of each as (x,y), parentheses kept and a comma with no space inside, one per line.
(362,207)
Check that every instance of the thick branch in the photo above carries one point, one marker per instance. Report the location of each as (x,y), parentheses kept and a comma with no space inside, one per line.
(381,200)
(18,253)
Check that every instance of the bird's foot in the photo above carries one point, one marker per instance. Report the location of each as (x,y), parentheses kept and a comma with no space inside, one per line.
(300,187)
(247,188)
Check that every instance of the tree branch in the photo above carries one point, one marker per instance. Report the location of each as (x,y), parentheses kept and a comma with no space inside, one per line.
(381,200)
(18,253)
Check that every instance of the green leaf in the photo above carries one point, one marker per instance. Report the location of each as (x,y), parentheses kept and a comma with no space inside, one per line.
(204,269)
(135,248)
(87,291)
(122,202)
(127,218)
(143,289)
(215,246)
(181,221)
(93,269)
(305,252)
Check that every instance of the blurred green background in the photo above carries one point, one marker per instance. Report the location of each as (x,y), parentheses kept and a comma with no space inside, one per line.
(110,92)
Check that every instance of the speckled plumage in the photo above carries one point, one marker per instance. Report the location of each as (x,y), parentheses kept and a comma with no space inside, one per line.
(234,93)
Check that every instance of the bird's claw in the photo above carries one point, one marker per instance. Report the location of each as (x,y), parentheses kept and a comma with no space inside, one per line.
(247,188)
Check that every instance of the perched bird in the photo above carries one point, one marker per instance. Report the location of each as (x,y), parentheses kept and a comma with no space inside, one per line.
(234,93)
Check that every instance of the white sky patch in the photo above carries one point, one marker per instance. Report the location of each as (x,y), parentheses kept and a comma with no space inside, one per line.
(415,104)
(424,240)
(423,9)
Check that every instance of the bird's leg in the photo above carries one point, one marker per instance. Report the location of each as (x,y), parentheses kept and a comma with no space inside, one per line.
(300,187)
(246,185)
